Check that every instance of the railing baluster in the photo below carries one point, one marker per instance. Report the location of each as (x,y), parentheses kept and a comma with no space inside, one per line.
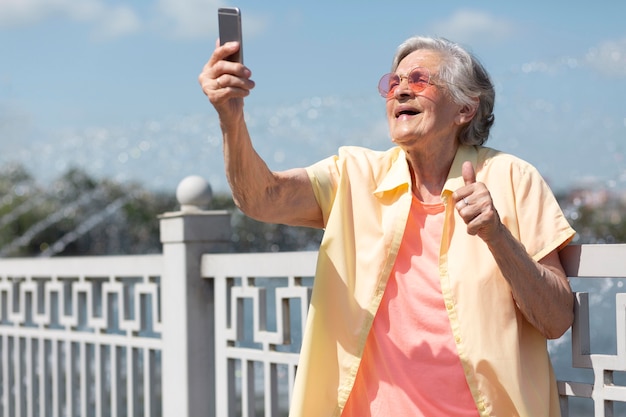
(6,386)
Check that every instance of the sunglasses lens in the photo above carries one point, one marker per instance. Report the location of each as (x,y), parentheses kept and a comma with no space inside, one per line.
(388,84)
(418,79)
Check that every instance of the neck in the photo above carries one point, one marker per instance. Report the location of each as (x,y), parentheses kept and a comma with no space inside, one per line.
(429,171)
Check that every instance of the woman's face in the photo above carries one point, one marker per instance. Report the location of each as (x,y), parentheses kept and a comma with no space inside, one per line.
(427,118)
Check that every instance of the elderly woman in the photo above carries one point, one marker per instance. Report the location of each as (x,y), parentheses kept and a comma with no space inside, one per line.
(438,277)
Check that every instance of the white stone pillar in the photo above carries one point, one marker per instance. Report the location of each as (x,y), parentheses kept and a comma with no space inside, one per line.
(187,303)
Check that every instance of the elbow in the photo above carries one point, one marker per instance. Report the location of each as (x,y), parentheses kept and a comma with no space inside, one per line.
(257,206)
(248,208)
(260,202)
(560,329)
(248,199)
(565,321)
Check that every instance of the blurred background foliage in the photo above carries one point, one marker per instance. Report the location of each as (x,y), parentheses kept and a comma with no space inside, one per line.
(79,215)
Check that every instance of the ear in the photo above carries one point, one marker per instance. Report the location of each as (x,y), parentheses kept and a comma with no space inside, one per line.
(467,112)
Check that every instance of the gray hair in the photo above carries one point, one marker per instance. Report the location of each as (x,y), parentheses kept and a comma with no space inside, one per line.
(466,79)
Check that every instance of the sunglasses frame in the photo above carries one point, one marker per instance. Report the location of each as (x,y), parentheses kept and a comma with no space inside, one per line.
(416,87)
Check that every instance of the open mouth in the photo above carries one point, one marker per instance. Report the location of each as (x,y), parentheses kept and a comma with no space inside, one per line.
(406,112)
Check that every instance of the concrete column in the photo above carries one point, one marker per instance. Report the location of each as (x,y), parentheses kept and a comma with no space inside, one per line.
(187,301)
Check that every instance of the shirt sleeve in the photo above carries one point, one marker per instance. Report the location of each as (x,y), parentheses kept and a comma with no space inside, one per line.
(541,225)
(324,177)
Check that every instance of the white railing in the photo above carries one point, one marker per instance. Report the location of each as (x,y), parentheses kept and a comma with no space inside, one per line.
(261,303)
(80,336)
(603,267)
(194,332)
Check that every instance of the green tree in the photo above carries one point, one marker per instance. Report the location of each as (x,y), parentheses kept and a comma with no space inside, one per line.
(598,216)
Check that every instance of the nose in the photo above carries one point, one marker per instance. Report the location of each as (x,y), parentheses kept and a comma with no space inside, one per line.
(403,89)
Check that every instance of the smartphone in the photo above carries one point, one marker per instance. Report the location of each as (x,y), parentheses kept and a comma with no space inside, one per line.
(229,21)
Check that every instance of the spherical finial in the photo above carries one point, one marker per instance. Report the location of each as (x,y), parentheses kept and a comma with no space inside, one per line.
(194,193)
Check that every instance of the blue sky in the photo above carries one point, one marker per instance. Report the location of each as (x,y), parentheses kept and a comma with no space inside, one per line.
(111,85)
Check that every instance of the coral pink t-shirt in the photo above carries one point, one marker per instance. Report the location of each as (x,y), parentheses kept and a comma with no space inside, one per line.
(410,366)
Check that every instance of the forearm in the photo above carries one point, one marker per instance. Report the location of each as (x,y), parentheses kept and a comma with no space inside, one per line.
(226,84)
(248,175)
(541,291)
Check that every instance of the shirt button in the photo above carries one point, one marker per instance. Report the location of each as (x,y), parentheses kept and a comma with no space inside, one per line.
(449,306)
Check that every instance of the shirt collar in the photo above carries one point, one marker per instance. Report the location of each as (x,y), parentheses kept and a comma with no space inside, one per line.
(455,176)
(399,174)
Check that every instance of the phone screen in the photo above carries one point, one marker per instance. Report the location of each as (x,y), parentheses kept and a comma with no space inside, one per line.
(229,20)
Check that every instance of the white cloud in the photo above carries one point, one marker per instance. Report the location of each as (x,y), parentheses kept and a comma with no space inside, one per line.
(117,22)
(170,18)
(608,58)
(469,26)
(108,20)
(190,18)
(15,13)
(198,18)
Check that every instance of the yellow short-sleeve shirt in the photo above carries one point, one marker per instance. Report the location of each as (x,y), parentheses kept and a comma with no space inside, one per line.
(365,197)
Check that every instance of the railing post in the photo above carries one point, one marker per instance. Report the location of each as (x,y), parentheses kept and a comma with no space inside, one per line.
(187,301)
